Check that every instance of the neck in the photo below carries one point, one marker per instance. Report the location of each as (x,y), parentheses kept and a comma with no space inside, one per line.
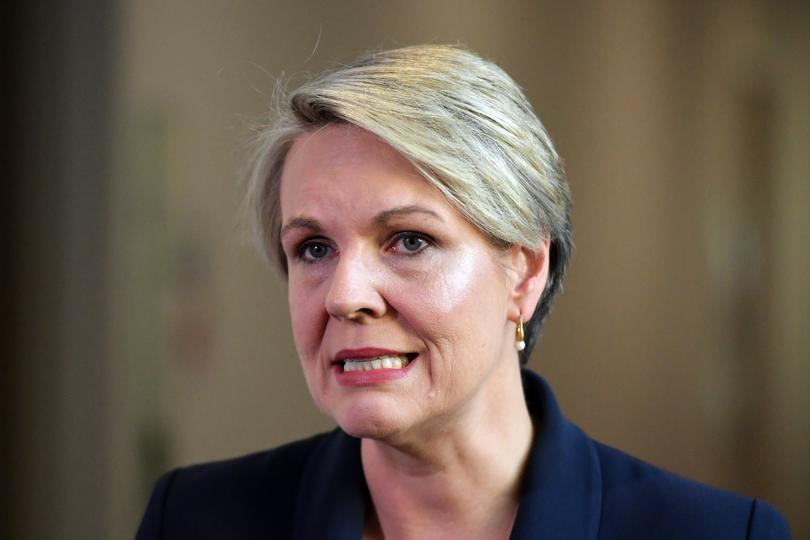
(461,484)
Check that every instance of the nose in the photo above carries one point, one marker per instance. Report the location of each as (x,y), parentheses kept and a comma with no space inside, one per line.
(355,291)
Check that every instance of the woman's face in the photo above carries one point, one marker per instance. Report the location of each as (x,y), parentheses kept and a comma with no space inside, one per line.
(400,307)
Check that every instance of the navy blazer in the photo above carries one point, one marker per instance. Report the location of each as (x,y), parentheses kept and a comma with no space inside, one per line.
(574,488)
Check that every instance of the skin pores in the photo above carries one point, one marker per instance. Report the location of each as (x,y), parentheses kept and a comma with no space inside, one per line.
(380,265)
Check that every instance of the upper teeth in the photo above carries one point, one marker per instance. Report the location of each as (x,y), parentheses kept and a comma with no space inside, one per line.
(381,362)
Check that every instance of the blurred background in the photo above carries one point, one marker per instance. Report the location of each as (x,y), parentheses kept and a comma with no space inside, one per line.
(142,332)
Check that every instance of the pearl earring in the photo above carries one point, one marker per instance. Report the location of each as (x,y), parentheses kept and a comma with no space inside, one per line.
(520,344)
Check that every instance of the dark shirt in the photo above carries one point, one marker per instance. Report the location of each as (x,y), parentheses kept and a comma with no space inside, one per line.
(573,488)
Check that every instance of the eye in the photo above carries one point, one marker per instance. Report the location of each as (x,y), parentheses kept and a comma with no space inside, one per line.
(313,250)
(410,243)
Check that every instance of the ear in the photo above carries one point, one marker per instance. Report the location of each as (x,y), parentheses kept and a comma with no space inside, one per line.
(531,274)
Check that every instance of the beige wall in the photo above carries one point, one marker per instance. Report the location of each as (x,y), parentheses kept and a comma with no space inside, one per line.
(680,335)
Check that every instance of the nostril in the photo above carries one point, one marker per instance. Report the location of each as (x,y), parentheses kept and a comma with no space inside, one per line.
(360,314)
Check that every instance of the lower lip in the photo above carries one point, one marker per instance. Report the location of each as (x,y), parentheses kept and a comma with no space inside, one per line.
(370,378)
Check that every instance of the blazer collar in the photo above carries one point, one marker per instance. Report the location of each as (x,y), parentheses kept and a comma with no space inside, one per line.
(333,495)
(560,496)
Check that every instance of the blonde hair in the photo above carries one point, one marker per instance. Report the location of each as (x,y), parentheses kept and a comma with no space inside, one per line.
(463,123)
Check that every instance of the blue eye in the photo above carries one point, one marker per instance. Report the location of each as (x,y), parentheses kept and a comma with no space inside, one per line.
(313,250)
(410,243)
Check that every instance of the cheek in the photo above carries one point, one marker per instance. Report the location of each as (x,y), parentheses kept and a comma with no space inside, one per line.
(457,298)
(471,283)
(305,311)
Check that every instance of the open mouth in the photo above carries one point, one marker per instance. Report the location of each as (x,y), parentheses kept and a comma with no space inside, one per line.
(378,362)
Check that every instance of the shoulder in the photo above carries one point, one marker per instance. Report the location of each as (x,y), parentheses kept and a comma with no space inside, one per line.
(230,498)
(640,500)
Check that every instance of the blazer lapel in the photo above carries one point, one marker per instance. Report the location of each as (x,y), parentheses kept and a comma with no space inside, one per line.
(561,495)
(332,498)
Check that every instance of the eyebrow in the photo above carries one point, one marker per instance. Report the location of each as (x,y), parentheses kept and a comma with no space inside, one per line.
(383,218)
(300,223)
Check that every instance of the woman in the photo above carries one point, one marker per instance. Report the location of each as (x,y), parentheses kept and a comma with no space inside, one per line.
(420,214)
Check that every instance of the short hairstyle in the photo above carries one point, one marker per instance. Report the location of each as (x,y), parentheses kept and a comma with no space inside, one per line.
(463,123)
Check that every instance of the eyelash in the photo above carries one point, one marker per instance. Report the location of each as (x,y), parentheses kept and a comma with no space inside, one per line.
(301,252)
(426,241)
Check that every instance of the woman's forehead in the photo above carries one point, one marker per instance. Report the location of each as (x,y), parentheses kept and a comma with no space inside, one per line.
(342,145)
(345,165)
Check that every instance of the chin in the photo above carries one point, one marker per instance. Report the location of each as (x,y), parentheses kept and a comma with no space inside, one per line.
(365,431)
(369,422)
